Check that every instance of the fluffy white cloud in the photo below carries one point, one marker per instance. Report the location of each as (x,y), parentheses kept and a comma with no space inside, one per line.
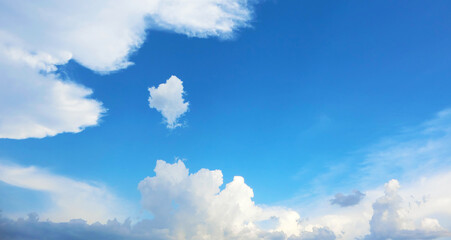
(167,98)
(35,37)
(37,105)
(419,158)
(418,210)
(70,199)
(183,205)
(392,221)
(101,34)
(192,206)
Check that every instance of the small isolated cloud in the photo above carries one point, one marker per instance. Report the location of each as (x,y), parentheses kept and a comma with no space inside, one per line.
(347,200)
(36,37)
(167,98)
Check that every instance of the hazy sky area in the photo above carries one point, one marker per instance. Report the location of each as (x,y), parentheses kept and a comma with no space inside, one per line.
(225,119)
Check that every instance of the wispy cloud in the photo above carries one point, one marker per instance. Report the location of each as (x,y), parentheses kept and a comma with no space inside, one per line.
(167,98)
(419,157)
(419,150)
(70,199)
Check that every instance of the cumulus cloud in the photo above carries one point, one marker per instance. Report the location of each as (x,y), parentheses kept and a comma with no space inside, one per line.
(347,200)
(192,206)
(69,198)
(36,37)
(167,98)
(184,206)
(421,209)
(391,221)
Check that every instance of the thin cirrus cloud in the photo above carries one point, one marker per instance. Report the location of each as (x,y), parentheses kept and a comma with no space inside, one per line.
(419,208)
(36,37)
(168,99)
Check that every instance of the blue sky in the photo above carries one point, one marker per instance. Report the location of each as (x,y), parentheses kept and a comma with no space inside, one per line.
(296,102)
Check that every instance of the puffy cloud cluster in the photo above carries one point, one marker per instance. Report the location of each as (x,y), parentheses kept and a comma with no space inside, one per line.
(419,210)
(36,37)
(192,206)
(167,98)
(391,221)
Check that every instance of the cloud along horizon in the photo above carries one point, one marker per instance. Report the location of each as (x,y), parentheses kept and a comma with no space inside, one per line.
(36,102)
(167,98)
(70,199)
(188,205)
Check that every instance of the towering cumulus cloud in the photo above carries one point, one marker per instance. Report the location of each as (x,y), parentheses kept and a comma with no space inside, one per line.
(192,206)
(36,37)
(391,221)
(167,98)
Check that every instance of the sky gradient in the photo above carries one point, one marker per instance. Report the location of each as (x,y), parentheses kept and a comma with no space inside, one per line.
(332,113)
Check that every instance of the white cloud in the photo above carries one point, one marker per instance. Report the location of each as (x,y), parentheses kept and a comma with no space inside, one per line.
(100,35)
(393,221)
(419,158)
(37,105)
(70,199)
(418,210)
(184,206)
(167,98)
(416,151)
(192,206)
(195,206)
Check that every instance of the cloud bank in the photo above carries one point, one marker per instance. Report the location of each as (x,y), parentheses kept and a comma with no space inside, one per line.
(36,37)
(167,98)
(188,205)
